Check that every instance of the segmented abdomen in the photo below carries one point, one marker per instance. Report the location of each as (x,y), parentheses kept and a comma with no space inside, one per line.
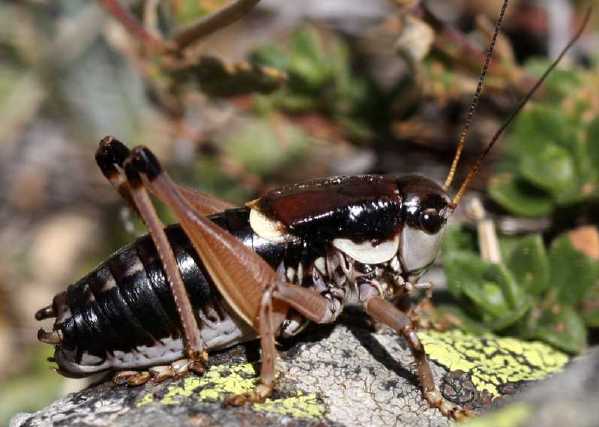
(126,302)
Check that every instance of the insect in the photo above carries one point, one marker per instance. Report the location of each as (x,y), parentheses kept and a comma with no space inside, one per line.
(225,275)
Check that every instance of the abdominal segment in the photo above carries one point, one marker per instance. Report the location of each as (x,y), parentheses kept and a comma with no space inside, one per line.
(122,315)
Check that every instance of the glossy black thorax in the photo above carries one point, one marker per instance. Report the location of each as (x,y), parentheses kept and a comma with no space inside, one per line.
(360,208)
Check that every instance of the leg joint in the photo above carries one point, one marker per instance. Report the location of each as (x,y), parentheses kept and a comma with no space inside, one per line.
(410,334)
(144,161)
(111,152)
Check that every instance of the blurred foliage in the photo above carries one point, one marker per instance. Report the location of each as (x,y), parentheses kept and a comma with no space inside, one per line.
(537,292)
(552,153)
(184,12)
(25,392)
(219,79)
(313,73)
(321,79)
(252,152)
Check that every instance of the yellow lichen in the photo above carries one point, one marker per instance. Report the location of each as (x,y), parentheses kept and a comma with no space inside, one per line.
(214,384)
(146,399)
(224,380)
(490,360)
(299,406)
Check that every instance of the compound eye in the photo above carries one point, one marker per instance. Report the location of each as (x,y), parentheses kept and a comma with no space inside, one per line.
(430,221)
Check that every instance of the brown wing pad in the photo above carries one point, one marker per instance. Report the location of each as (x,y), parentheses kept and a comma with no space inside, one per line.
(204,203)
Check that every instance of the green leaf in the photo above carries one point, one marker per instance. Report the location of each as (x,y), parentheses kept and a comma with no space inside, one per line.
(490,288)
(458,239)
(518,197)
(463,269)
(592,147)
(508,319)
(529,264)
(514,295)
(590,307)
(516,300)
(489,299)
(537,127)
(563,328)
(309,63)
(552,169)
(572,272)
(321,79)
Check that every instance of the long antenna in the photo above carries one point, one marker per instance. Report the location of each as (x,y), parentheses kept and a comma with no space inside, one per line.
(474,170)
(475,99)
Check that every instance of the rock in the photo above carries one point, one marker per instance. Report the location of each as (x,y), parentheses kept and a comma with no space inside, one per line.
(568,399)
(342,375)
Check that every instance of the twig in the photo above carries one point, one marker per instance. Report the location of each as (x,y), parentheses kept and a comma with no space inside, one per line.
(487,236)
(132,24)
(213,22)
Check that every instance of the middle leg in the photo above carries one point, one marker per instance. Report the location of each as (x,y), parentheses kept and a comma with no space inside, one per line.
(309,303)
(385,312)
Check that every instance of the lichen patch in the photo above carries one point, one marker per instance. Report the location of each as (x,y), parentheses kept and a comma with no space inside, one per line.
(221,381)
(492,361)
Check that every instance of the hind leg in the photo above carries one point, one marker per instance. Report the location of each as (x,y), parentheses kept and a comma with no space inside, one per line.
(110,156)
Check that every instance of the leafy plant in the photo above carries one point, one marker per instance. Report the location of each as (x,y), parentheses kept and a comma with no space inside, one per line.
(319,69)
(535,293)
(553,150)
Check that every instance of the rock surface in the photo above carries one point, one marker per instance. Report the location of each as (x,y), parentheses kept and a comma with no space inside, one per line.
(568,399)
(343,375)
